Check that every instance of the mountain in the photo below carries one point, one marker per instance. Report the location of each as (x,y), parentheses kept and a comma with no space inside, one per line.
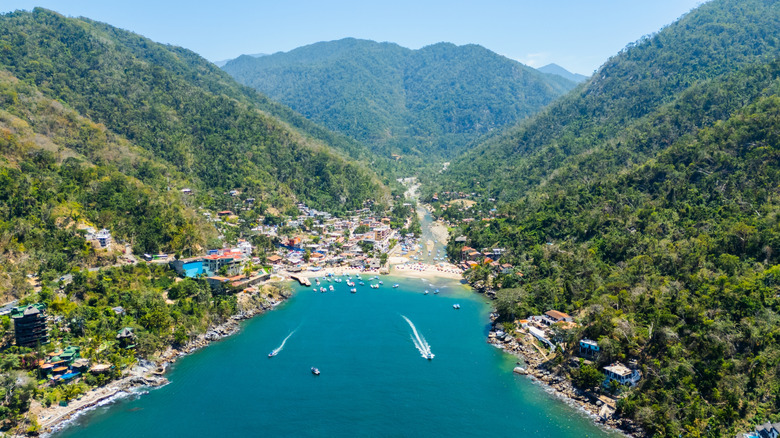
(645,205)
(555,69)
(182,109)
(418,104)
(596,125)
(102,127)
(225,61)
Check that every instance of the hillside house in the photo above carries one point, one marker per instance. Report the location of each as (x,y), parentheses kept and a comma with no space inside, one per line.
(552,316)
(621,374)
(589,348)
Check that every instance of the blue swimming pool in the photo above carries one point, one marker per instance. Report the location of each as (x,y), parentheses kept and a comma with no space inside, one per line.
(193,269)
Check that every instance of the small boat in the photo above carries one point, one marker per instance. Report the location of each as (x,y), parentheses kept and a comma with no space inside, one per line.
(362,284)
(456,306)
(374,286)
(395,285)
(273,353)
(330,288)
(322,289)
(315,371)
(436,291)
(353,290)
(380,282)
(426,291)
(429,356)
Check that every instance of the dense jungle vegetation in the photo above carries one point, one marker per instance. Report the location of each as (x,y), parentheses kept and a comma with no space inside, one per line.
(418,104)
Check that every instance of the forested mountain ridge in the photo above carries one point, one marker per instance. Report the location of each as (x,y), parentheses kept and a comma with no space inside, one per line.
(415,103)
(645,204)
(555,69)
(183,109)
(716,39)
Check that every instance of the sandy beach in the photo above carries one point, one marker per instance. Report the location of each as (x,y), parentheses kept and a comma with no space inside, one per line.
(423,270)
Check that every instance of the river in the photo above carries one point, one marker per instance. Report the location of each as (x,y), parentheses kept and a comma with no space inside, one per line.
(373,382)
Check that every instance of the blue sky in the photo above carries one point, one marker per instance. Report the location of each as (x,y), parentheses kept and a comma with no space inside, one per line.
(577,34)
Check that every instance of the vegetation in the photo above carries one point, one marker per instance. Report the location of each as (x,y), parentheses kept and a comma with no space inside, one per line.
(417,104)
(629,107)
(180,108)
(672,263)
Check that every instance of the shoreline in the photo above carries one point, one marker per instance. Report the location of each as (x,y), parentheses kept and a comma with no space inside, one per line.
(146,373)
(533,367)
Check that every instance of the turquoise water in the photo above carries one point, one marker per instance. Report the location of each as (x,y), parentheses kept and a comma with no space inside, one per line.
(374,381)
(193,269)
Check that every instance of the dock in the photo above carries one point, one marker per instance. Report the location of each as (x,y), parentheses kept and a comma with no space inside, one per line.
(302,280)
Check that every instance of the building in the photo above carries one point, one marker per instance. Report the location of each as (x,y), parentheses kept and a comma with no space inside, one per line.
(30,327)
(767,430)
(244,248)
(103,237)
(552,316)
(126,338)
(232,260)
(621,374)
(589,348)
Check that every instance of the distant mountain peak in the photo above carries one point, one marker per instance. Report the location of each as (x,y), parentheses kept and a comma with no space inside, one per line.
(555,69)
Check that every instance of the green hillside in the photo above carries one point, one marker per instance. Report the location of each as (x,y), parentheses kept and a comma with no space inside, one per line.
(645,205)
(628,91)
(414,103)
(183,110)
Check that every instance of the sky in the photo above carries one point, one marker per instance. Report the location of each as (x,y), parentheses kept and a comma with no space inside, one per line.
(579,35)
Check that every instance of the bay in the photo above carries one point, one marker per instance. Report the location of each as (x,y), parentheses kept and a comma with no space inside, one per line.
(374,381)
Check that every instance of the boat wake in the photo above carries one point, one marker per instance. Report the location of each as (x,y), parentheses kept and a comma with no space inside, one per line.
(419,341)
(279,348)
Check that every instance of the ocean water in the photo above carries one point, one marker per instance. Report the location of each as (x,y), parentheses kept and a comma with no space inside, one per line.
(374,380)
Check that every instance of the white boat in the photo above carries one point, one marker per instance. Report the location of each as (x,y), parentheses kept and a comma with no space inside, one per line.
(362,284)
(353,290)
(315,371)
(273,353)
(374,286)
(426,291)
(322,289)
(456,306)
(395,285)
(429,356)
(436,291)
(380,282)
(330,288)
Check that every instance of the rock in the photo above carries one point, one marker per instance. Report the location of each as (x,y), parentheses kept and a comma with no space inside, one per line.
(520,370)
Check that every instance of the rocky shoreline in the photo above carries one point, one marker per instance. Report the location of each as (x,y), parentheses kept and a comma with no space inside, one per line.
(150,374)
(535,366)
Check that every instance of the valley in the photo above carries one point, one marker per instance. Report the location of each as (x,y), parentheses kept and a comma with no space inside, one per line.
(616,235)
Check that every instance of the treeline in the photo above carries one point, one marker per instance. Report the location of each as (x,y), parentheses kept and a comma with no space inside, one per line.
(673,263)
(180,108)
(634,91)
(418,104)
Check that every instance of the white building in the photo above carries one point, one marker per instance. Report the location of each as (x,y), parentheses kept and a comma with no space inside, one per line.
(103,237)
(622,374)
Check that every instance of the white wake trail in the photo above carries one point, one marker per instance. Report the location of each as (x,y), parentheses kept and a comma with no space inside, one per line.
(419,341)
(279,348)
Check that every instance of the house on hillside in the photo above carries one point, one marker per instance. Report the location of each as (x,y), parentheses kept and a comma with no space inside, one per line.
(621,374)
(589,348)
(552,316)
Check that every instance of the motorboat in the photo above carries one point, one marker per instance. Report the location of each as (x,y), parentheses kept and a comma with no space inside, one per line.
(456,306)
(429,356)
(436,291)
(362,284)
(380,282)
(322,289)
(353,290)
(395,285)
(426,291)
(374,286)
(315,371)
(273,353)
(330,288)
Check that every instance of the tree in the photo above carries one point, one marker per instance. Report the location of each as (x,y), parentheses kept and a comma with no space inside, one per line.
(586,376)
